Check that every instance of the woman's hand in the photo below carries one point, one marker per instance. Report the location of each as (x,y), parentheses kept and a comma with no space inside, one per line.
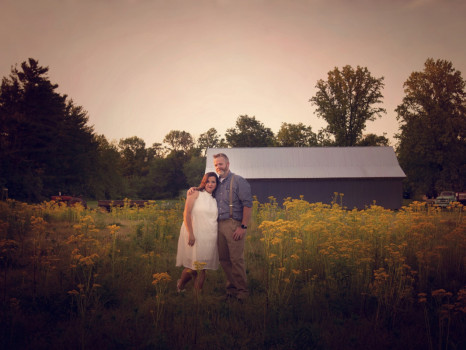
(191,240)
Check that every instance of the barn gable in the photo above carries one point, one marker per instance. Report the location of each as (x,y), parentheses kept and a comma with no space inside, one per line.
(362,174)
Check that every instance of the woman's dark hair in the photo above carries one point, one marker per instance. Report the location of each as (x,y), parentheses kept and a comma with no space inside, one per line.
(204,181)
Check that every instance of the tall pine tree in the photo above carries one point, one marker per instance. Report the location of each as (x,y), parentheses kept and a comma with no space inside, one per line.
(46,145)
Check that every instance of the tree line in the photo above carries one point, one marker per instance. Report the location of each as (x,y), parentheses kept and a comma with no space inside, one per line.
(47,145)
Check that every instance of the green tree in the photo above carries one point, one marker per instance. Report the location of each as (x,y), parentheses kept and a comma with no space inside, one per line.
(373,140)
(156,151)
(179,141)
(296,135)
(166,177)
(194,170)
(209,139)
(134,157)
(432,138)
(77,155)
(249,132)
(324,138)
(108,180)
(345,101)
(46,144)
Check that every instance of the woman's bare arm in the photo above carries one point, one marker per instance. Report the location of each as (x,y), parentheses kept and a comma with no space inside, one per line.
(188,207)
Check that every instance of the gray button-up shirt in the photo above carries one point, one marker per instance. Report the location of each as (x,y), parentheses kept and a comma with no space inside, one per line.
(241,197)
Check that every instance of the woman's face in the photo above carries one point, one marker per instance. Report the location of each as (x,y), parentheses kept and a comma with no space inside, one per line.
(211,184)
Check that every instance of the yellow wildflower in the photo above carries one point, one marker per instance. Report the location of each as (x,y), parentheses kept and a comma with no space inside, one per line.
(199,265)
(161,277)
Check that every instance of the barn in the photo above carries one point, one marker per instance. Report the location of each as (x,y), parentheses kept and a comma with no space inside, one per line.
(363,174)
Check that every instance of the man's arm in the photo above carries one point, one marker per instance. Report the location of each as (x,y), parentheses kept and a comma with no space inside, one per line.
(241,232)
(246,216)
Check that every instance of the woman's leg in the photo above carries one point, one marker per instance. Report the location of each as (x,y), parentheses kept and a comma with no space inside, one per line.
(199,282)
(186,276)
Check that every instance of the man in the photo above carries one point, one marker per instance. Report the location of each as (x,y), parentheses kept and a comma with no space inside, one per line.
(232,225)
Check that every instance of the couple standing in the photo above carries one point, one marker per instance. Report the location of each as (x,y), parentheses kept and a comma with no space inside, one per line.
(216,216)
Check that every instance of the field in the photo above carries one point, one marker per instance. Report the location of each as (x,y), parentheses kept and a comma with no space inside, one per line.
(320,277)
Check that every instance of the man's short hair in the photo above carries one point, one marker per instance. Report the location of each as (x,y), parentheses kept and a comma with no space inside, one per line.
(221,155)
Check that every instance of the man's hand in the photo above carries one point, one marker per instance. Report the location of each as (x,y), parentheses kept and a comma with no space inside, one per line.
(191,190)
(239,233)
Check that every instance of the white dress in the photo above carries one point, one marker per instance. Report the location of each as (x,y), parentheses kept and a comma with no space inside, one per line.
(204,218)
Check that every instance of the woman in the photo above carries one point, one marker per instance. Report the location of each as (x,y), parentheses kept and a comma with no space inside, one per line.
(197,245)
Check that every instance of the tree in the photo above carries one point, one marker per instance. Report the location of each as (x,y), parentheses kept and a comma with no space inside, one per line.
(46,145)
(194,170)
(296,135)
(249,132)
(77,154)
(166,177)
(107,183)
(432,138)
(210,139)
(133,157)
(345,101)
(179,141)
(324,138)
(156,151)
(373,140)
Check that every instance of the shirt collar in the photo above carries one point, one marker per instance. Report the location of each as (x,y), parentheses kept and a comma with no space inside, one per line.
(225,178)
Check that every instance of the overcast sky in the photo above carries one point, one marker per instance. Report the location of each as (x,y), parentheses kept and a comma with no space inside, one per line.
(145,67)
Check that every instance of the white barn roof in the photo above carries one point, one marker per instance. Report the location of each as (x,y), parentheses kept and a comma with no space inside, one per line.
(310,162)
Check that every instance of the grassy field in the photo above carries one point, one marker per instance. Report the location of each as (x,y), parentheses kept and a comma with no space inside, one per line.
(320,277)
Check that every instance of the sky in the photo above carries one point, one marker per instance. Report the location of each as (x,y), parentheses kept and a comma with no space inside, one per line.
(146,67)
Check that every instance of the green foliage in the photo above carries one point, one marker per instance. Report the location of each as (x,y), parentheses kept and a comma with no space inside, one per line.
(296,135)
(373,140)
(46,145)
(166,177)
(210,139)
(194,170)
(108,180)
(249,132)
(320,277)
(133,157)
(179,141)
(432,138)
(324,138)
(345,101)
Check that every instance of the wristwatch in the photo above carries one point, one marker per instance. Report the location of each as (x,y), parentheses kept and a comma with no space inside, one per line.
(244,227)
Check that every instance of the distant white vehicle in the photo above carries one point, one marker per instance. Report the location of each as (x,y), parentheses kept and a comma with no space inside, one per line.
(447,197)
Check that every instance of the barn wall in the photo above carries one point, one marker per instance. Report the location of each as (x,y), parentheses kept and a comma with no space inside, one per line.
(358,193)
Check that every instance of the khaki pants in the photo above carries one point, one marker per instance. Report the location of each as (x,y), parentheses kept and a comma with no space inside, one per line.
(231,256)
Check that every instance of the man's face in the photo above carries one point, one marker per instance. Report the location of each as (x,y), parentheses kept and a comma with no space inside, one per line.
(221,166)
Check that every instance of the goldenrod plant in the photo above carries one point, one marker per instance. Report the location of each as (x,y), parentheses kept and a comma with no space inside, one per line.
(321,276)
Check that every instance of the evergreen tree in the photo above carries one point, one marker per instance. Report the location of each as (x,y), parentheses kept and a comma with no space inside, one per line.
(46,145)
